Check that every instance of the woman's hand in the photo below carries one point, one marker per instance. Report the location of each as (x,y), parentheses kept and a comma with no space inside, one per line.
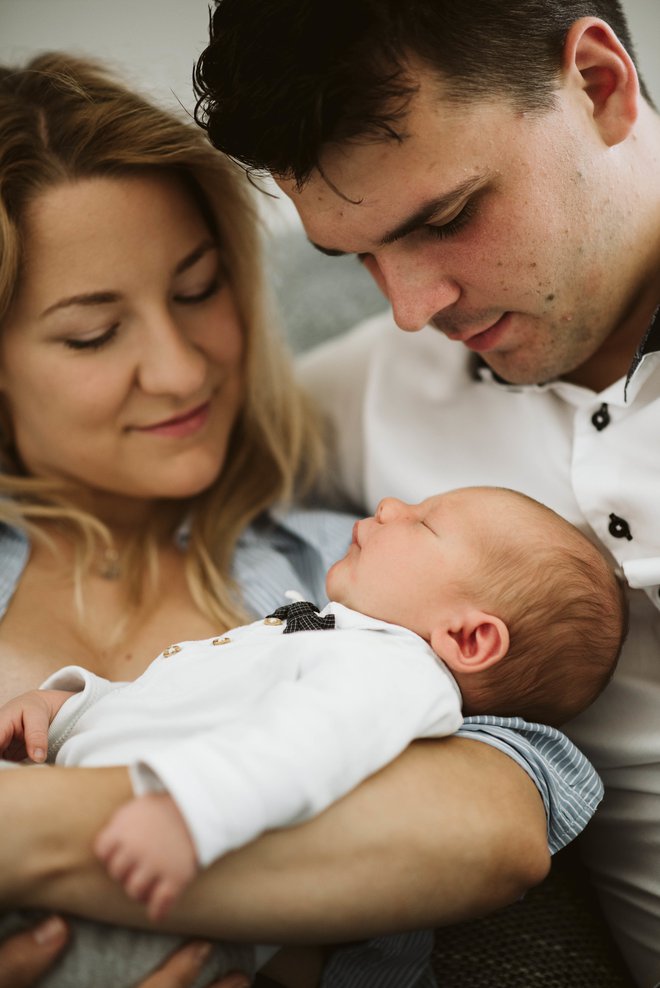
(26,956)
(181,969)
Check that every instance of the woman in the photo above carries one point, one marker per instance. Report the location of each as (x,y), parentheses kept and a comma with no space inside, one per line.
(143,404)
(148,423)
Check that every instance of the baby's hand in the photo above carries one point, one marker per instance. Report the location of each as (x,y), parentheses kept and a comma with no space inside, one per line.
(147,848)
(24,723)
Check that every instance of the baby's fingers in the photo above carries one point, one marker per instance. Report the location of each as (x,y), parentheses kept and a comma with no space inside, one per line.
(119,863)
(35,732)
(139,882)
(161,899)
(11,740)
(108,841)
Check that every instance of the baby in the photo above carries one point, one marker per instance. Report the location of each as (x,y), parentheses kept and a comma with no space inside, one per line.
(480,590)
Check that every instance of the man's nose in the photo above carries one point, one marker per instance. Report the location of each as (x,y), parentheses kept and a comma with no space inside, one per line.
(415,286)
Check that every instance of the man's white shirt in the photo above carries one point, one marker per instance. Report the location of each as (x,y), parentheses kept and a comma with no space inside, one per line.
(413,417)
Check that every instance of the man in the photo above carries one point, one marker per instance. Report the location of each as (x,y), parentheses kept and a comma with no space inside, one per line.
(496,169)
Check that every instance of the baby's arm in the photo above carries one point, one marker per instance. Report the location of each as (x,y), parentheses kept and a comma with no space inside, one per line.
(352,703)
(147,848)
(24,723)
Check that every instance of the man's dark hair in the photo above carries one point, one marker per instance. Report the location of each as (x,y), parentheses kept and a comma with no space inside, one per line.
(281,78)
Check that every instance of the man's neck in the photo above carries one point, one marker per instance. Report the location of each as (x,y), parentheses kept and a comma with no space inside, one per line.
(640,185)
(614,357)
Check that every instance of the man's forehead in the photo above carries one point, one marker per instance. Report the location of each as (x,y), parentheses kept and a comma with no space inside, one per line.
(365,195)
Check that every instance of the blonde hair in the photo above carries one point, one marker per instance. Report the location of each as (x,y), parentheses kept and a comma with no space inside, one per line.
(64,119)
(566,612)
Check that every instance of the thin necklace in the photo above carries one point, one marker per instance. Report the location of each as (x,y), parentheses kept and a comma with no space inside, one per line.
(110,565)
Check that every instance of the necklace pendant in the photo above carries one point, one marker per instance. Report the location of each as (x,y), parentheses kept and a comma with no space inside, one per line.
(110,568)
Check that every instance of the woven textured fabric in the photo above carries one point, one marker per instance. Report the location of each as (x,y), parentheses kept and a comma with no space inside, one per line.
(554,938)
(303,616)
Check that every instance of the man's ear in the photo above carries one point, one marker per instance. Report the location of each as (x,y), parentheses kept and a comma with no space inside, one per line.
(600,65)
(471,644)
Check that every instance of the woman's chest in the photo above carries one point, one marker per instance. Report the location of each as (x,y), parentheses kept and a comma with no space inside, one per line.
(43,629)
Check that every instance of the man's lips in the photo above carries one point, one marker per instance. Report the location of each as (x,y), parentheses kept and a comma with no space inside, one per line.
(355,539)
(480,340)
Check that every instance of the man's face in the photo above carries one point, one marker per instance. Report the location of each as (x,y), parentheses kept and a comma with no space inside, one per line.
(504,230)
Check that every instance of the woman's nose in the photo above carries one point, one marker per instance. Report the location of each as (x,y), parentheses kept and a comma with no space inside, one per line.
(170,362)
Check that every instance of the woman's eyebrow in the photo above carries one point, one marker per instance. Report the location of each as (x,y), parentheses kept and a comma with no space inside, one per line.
(105,297)
(193,257)
(89,298)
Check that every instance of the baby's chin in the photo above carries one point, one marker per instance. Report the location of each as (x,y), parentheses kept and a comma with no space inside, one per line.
(333,582)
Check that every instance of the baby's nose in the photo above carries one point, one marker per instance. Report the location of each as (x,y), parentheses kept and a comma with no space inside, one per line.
(391,508)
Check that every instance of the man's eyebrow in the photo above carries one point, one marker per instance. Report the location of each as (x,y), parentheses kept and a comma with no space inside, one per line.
(105,297)
(441,204)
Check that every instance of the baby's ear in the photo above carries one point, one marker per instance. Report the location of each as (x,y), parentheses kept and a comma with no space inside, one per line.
(471,643)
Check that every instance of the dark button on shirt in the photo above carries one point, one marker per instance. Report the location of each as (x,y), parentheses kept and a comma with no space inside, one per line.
(601,418)
(619,528)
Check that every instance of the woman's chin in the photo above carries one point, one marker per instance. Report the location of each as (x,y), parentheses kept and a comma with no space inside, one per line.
(186,481)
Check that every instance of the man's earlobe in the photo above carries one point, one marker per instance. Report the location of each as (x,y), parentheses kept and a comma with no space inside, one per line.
(604,70)
(474,644)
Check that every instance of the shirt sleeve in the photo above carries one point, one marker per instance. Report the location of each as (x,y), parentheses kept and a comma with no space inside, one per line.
(87,688)
(569,785)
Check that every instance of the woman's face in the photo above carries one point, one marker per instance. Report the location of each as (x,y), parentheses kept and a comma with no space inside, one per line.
(121,358)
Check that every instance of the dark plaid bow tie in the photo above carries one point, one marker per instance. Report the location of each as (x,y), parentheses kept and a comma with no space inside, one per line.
(303,616)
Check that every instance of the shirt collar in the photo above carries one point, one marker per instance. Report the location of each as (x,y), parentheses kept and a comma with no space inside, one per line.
(650,343)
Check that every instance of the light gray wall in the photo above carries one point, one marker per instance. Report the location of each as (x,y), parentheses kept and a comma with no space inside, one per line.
(154,42)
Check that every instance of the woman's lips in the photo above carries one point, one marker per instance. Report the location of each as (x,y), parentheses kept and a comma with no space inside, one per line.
(182,425)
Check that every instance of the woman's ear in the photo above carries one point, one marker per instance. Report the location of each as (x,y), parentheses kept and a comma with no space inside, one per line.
(597,62)
(473,643)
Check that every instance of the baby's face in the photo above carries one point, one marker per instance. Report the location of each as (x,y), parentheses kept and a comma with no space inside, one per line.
(407,561)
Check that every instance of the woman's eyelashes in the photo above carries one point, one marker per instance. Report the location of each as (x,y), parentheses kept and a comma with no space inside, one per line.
(202,296)
(93,343)
(96,342)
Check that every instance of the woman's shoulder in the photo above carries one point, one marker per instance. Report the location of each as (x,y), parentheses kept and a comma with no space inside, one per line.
(326,530)
(289,550)
(14,551)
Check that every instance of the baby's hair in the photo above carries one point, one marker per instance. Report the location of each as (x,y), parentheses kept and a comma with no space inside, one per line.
(567,615)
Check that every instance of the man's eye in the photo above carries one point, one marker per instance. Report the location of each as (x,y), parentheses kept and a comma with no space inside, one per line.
(443,230)
(95,343)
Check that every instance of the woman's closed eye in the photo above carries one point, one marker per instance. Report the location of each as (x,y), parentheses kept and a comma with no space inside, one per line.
(93,342)
(196,298)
